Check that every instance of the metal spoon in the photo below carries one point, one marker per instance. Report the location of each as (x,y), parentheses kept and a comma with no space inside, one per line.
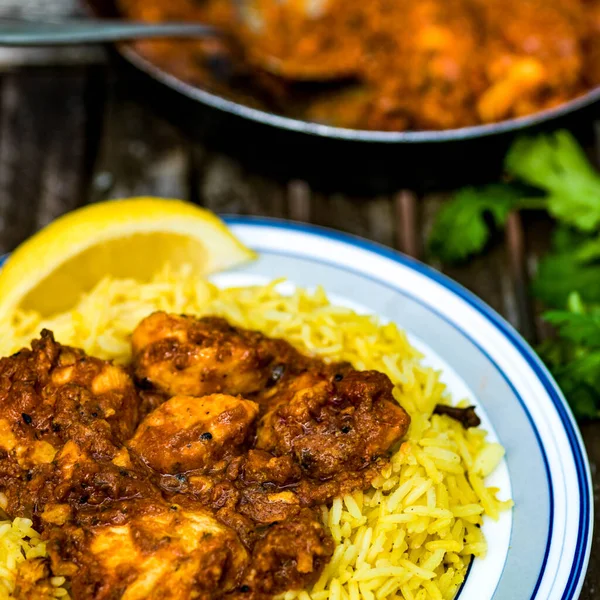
(85,31)
(15,32)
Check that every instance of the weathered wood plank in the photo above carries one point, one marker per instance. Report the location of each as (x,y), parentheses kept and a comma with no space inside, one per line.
(408,239)
(428,207)
(517,270)
(42,149)
(538,230)
(11,58)
(381,223)
(225,186)
(370,218)
(140,153)
(299,201)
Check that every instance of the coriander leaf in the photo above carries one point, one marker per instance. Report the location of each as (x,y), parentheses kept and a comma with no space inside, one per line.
(565,239)
(560,273)
(460,228)
(573,356)
(557,164)
(577,328)
(582,397)
(579,379)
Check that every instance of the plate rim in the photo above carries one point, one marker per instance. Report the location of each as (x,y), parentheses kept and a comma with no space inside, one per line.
(582,552)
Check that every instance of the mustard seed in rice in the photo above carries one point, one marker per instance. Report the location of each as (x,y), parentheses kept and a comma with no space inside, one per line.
(414,532)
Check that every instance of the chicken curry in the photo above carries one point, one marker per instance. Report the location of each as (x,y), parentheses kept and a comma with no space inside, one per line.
(386,64)
(195,473)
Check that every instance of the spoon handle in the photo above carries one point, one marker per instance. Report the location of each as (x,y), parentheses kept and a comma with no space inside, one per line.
(84,31)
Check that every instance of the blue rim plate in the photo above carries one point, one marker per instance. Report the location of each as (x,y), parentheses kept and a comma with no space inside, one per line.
(540,550)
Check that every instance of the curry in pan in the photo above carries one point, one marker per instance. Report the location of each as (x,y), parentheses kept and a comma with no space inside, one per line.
(387,64)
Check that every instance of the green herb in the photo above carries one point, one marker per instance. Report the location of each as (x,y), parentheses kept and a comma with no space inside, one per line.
(461,228)
(574,355)
(572,265)
(552,173)
(557,165)
(559,179)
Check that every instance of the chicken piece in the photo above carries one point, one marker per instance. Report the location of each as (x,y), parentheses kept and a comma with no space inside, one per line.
(332,421)
(65,386)
(153,550)
(333,426)
(291,555)
(56,403)
(260,467)
(108,527)
(181,355)
(63,418)
(266,507)
(195,439)
(187,433)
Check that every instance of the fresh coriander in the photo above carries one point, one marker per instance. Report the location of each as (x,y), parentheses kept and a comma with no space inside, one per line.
(562,272)
(573,355)
(561,180)
(552,173)
(461,228)
(556,164)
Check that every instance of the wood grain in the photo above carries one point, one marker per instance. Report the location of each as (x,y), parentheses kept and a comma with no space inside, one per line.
(299,201)
(226,187)
(407,224)
(12,58)
(140,154)
(42,149)
(371,218)
(517,271)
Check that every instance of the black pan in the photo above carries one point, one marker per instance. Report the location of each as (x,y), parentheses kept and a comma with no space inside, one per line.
(378,156)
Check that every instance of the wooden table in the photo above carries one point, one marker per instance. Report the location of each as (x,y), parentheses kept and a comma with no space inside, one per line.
(75,129)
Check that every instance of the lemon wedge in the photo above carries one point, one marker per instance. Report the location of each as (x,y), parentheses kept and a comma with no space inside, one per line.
(119,238)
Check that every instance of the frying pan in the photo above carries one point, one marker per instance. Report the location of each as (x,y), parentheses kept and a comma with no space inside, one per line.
(355,155)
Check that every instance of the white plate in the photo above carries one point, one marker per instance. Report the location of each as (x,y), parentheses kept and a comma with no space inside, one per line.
(540,550)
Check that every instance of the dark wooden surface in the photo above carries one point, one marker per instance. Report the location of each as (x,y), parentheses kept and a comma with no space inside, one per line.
(76,129)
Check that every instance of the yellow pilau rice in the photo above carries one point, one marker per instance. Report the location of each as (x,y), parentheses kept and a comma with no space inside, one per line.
(413,534)
(19,542)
